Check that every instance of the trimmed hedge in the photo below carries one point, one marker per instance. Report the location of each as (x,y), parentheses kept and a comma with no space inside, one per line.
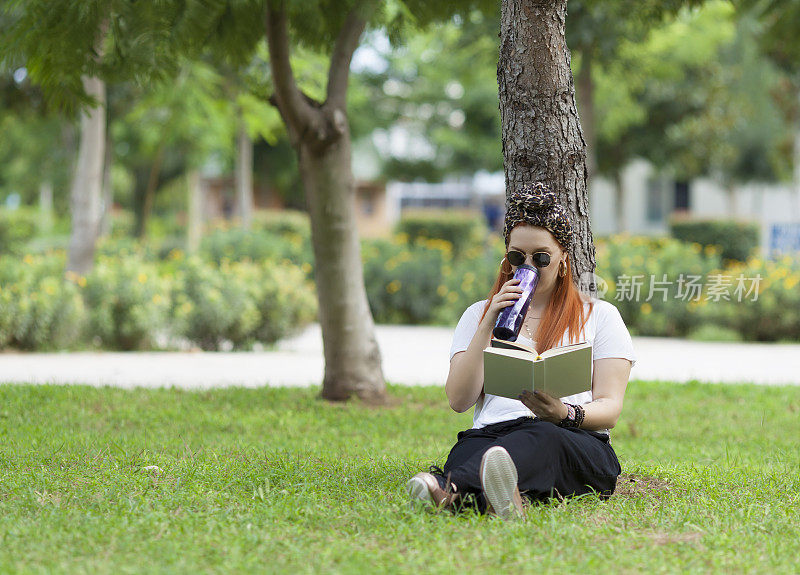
(737,240)
(461,229)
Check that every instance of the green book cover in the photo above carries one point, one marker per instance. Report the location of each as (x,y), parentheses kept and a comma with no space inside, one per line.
(510,367)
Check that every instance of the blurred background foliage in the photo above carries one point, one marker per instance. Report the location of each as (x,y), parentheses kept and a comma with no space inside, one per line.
(244,289)
(696,88)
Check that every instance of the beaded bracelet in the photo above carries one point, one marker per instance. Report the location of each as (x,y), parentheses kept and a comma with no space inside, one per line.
(574,414)
(580,413)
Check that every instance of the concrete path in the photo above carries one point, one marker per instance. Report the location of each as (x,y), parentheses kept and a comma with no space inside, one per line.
(411,356)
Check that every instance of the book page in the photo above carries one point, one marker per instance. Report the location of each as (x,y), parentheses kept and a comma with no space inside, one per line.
(564,349)
(503,344)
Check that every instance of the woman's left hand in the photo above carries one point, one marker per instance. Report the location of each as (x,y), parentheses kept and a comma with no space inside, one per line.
(544,406)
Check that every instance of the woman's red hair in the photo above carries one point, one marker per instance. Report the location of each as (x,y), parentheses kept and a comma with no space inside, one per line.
(565,311)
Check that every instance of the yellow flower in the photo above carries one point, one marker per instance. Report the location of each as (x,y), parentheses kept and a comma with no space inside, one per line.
(157,299)
(82,281)
(142,278)
(50,290)
(791,281)
(442,290)
(306,267)
(393,286)
(28,259)
(646,308)
(696,248)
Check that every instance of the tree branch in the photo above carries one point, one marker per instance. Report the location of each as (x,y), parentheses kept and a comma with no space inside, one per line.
(346,44)
(294,107)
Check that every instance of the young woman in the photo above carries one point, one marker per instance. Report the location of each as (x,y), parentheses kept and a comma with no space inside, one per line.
(537,446)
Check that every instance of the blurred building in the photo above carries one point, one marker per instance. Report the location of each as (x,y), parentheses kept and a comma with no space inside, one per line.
(649,201)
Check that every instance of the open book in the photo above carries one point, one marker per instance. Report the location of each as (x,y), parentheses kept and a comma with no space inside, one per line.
(510,367)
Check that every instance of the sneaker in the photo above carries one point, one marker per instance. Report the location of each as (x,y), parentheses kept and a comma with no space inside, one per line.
(425,488)
(499,480)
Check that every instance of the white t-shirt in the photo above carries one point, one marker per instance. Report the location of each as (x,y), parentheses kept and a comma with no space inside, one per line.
(604,329)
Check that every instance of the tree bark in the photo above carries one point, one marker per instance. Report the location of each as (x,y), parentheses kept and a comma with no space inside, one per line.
(87,183)
(352,357)
(244,175)
(108,193)
(45,207)
(194,217)
(321,138)
(541,132)
(149,193)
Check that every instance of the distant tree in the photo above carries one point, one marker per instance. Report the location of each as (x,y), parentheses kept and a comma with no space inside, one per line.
(596,30)
(446,106)
(318,127)
(36,147)
(781,42)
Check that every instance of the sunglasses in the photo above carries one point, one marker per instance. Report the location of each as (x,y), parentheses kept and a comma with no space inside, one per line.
(517,258)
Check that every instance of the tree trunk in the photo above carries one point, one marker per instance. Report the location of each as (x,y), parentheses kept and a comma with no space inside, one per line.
(796,161)
(149,193)
(45,207)
(108,194)
(585,95)
(87,183)
(244,176)
(194,224)
(733,200)
(619,202)
(352,357)
(541,132)
(320,135)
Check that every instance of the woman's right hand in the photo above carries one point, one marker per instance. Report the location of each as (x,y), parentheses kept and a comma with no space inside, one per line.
(508,295)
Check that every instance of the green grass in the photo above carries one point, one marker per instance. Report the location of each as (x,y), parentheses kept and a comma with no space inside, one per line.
(275,480)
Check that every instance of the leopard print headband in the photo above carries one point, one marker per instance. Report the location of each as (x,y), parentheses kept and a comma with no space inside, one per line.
(536,205)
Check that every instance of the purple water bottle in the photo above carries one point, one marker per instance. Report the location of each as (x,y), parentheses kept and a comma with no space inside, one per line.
(509,322)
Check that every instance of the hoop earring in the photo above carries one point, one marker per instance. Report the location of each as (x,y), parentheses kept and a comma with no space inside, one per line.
(562,269)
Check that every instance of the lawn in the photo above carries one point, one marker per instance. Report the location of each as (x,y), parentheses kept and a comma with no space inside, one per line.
(276,480)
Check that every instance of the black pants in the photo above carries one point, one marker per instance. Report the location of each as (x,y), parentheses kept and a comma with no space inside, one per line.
(551,461)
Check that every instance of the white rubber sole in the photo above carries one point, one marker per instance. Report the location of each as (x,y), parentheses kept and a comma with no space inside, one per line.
(418,491)
(499,481)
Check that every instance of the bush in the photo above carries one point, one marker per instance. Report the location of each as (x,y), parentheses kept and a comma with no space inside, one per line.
(666,266)
(286,223)
(405,282)
(461,229)
(127,303)
(240,302)
(211,305)
(285,299)
(735,239)
(17,228)
(470,279)
(771,309)
(257,246)
(39,309)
